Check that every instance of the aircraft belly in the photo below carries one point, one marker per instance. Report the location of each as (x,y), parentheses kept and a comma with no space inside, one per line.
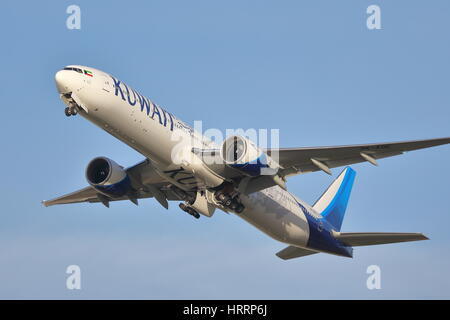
(277,220)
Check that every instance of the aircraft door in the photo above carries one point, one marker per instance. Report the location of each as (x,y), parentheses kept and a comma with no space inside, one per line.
(107,83)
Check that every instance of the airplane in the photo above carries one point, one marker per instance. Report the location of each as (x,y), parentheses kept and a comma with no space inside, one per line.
(235,176)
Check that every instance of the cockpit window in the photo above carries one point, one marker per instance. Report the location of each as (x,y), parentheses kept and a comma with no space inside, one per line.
(74,69)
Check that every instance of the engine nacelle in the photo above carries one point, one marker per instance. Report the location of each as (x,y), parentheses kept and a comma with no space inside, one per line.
(242,154)
(107,177)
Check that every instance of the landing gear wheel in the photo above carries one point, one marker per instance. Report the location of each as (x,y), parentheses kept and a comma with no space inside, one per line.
(229,202)
(240,208)
(234,205)
(67,112)
(189,210)
(222,197)
(73,111)
(193,213)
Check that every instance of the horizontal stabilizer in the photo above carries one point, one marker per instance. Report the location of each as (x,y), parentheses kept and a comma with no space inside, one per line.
(292,252)
(356,239)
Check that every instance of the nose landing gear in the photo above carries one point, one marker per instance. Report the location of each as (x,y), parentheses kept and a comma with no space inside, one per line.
(72,107)
(71,111)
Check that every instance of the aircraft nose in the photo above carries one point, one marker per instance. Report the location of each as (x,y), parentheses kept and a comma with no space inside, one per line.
(62,80)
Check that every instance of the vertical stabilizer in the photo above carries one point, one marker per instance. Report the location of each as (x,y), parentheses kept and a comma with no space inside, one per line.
(332,204)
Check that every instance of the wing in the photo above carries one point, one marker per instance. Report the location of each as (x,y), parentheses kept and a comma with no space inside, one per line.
(87,194)
(303,160)
(144,179)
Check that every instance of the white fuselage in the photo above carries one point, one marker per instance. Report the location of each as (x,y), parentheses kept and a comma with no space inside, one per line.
(154,132)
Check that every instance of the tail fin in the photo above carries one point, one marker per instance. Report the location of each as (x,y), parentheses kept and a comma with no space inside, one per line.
(332,204)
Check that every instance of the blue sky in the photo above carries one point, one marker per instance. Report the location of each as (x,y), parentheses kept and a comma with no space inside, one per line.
(311,69)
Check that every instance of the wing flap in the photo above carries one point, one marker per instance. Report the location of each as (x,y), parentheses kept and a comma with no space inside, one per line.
(356,239)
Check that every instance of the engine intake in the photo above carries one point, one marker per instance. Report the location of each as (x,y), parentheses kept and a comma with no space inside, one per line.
(107,177)
(242,154)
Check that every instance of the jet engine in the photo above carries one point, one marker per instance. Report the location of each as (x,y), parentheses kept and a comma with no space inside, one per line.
(107,177)
(242,154)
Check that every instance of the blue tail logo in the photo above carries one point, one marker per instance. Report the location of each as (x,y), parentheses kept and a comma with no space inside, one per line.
(333,203)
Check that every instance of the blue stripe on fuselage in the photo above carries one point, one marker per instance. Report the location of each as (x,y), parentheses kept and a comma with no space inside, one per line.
(321,236)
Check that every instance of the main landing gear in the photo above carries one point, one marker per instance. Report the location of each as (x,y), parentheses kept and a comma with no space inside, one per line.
(189,210)
(229,202)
